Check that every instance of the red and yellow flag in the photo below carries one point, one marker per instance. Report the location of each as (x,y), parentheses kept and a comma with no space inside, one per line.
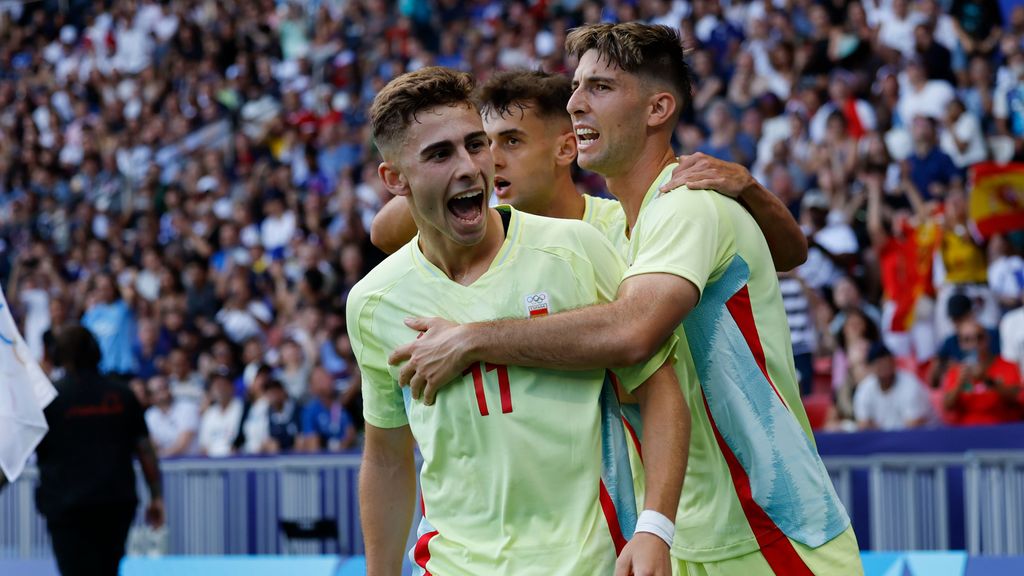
(997,198)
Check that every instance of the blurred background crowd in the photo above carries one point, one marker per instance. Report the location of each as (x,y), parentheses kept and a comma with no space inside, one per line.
(194,181)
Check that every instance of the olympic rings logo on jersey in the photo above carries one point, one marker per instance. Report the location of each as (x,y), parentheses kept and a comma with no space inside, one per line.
(536,304)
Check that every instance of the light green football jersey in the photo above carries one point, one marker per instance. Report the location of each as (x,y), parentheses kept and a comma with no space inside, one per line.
(513,458)
(609,219)
(753,475)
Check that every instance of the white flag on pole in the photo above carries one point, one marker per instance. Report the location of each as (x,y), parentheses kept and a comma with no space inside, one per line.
(24,392)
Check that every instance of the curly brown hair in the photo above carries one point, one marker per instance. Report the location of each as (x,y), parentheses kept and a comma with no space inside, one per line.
(398,103)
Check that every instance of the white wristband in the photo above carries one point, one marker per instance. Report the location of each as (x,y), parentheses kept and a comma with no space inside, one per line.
(658,524)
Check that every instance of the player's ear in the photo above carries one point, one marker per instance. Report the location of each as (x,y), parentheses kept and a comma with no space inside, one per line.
(565,150)
(662,108)
(393,179)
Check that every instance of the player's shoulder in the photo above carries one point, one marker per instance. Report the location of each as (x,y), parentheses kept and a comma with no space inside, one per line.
(542,232)
(382,280)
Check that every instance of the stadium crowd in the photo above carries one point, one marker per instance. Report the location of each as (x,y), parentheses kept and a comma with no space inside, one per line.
(194,180)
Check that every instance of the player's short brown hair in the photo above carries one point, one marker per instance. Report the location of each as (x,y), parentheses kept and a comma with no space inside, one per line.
(653,52)
(398,103)
(547,94)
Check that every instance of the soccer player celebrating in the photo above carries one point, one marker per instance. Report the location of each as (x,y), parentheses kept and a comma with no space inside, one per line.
(534,148)
(757,500)
(518,471)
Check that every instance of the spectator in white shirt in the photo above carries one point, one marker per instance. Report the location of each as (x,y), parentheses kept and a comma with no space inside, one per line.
(896,27)
(890,399)
(172,423)
(278,226)
(963,139)
(920,96)
(221,422)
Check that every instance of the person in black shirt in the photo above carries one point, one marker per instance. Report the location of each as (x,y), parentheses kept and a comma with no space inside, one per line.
(87,481)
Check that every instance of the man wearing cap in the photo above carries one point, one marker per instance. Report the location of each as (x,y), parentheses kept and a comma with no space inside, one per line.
(890,399)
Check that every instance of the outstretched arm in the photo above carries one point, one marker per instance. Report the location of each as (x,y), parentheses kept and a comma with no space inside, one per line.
(621,333)
(393,226)
(387,494)
(782,232)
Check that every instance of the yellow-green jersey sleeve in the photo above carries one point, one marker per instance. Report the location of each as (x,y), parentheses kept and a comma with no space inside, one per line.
(608,268)
(383,402)
(680,234)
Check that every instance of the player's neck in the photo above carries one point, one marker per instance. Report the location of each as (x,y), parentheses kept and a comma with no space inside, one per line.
(631,185)
(465,264)
(566,202)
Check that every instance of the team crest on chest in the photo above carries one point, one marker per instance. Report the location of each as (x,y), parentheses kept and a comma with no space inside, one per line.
(537,304)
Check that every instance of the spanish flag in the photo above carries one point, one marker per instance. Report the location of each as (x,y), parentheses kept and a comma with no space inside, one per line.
(997,198)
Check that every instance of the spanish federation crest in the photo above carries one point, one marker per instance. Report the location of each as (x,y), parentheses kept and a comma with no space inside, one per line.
(537,304)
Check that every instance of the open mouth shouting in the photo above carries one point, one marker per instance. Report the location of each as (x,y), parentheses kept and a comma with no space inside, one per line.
(501,187)
(467,207)
(586,136)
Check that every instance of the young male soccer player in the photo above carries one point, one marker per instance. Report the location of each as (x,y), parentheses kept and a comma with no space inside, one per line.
(534,148)
(699,267)
(516,477)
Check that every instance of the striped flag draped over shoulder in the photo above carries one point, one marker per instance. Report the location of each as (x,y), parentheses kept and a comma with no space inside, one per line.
(24,392)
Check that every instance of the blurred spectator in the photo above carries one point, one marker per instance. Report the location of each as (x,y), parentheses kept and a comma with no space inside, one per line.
(936,58)
(796,299)
(284,419)
(186,384)
(961,311)
(921,97)
(931,170)
(326,425)
(172,423)
(847,297)
(295,369)
(859,115)
(724,140)
(1011,332)
(220,423)
(148,354)
(832,243)
(896,27)
(255,429)
(962,138)
(1008,103)
(982,388)
(964,266)
(890,399)
(112,322)
(978,25)
(1005,272)
(850,360)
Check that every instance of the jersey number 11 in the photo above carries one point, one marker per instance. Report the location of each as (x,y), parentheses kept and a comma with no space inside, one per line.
(478,384)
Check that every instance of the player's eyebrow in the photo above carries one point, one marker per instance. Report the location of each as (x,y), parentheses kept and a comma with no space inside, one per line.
(591,80)
(479,134)
(516,132)
(448,145)
(430,149)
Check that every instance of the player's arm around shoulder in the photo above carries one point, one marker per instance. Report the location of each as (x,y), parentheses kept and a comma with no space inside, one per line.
(393,226)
